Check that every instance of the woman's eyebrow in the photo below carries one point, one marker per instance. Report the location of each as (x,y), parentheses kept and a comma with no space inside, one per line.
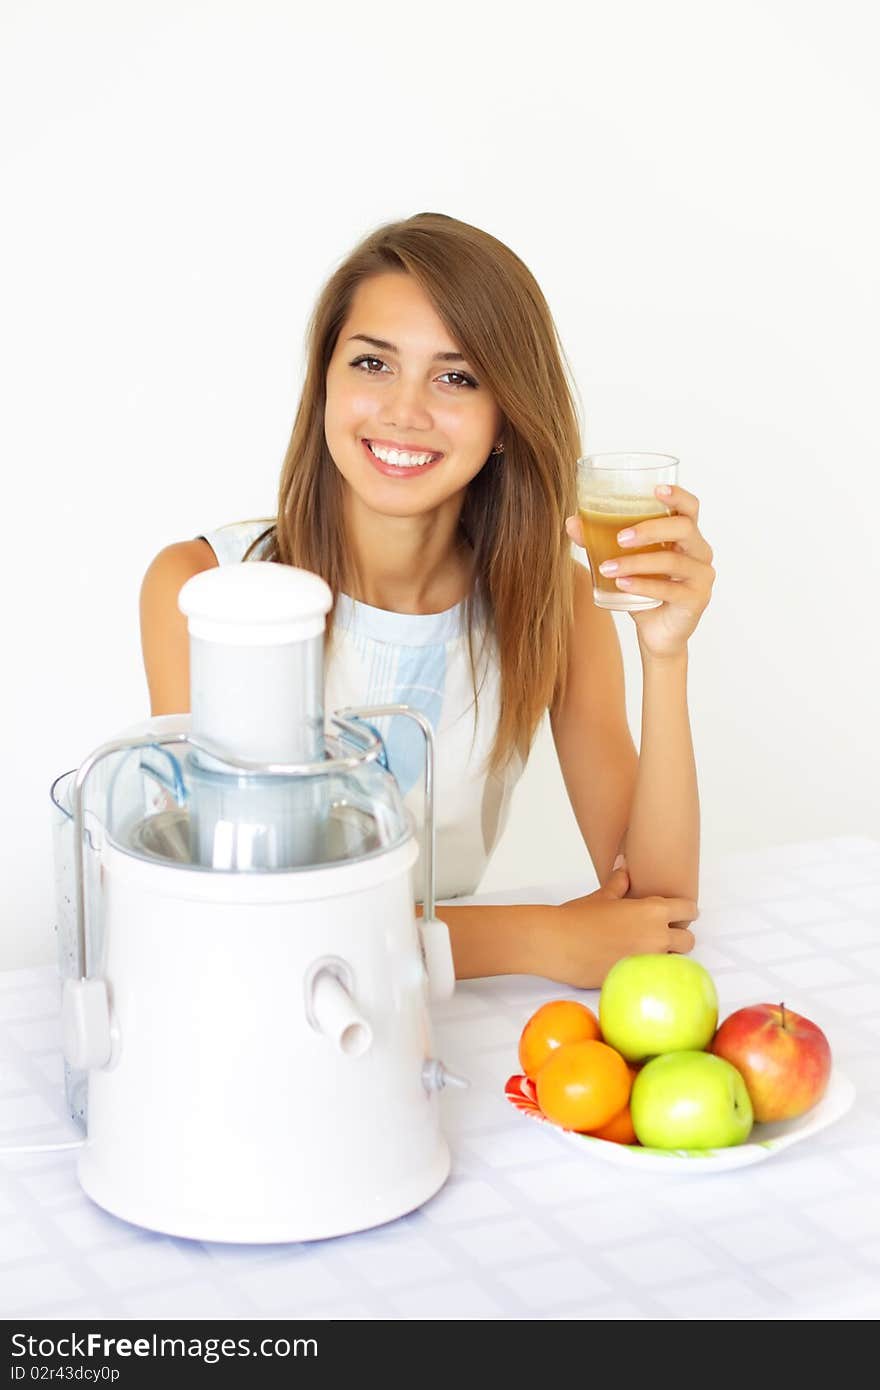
(389,347)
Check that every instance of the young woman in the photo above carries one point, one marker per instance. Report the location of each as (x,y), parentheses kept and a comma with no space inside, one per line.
(430,480)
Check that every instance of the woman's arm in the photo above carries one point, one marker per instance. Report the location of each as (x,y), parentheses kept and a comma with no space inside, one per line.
(164,634)
(663,838)
(576,942)
(663,818)
(646,802)
(597,757)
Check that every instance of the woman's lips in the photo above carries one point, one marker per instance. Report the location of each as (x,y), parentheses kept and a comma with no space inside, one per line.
(389,469)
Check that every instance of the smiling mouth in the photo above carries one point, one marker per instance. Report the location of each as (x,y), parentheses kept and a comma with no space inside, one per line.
(399,461)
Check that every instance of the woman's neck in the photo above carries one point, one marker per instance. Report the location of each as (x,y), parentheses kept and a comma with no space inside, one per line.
(408,564)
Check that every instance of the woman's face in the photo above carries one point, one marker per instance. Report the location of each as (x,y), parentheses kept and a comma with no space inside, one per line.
(396,391)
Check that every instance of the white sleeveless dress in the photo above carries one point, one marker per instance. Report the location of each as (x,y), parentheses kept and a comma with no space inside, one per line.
(380,657)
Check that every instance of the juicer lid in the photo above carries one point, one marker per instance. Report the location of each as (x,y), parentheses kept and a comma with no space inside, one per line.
(255,605)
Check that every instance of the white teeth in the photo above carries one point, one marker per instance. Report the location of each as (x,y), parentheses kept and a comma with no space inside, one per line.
(398,459)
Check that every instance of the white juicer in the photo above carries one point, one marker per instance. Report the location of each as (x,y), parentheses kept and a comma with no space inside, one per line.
(255,1025)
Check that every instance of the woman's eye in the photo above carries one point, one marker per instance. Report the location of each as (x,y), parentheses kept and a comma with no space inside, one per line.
(465,379)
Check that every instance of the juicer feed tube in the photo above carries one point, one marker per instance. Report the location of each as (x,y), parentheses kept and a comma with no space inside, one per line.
(248,823)
(227,690)
(260,823)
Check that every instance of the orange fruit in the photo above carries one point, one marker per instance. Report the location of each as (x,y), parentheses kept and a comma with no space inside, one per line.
(560,1021)
(583,1085)
(618,1130)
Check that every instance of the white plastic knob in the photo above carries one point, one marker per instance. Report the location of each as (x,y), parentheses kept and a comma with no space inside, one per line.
(85,1024)
(439,964)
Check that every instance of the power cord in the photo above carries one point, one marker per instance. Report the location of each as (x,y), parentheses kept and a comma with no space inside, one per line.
(43,1148)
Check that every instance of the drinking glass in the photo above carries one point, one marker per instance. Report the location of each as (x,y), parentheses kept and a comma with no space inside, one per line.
(615,491)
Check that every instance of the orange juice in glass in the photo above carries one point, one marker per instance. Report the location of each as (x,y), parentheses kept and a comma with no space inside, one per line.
(615,491)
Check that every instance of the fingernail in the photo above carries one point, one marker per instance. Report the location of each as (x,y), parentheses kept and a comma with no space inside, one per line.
(608,567)
(664,491)
(618,862)
(624,536)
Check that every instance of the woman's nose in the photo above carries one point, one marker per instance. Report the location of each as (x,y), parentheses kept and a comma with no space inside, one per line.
(406,406)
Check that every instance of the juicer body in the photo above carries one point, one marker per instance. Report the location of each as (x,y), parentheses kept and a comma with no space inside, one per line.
(225,1112)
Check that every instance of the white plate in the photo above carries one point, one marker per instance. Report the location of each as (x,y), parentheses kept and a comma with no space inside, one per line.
(764,1141)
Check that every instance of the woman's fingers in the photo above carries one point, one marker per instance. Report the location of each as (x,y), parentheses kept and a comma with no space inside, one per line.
(681,501)
(678,911)
(679,532)
(680,941)
(677,529)
(667,590)
(656,562)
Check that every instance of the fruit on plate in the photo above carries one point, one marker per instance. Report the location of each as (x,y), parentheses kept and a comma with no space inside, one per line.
(690,1100)
(583,1085)
(557,1022)
(618,1130)
(784,1059)
(652,1004)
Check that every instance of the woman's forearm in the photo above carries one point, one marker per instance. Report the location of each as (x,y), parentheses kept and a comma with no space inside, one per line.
(663,835)
(492,938)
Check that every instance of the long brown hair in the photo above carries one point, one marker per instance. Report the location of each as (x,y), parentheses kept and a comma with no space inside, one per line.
(514,510)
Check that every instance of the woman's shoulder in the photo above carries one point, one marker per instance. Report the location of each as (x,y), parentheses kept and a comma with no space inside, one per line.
(231,542)
(179,561)
(166,575)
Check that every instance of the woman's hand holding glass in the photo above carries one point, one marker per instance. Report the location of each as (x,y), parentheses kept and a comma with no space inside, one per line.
(685,588)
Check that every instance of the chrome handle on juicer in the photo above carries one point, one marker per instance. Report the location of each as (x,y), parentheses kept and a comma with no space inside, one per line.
(434,934)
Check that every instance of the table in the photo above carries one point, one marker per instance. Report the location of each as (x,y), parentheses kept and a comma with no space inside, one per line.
(525,1227)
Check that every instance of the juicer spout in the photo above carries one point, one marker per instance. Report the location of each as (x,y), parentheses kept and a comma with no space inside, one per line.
(332,1011)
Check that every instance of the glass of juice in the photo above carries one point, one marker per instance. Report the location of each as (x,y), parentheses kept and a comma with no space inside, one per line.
(616,491)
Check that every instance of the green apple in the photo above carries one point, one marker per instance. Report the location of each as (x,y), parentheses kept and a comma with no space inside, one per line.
(683,1100)
(657,1003)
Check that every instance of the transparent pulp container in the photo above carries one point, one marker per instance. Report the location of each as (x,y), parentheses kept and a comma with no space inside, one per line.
(161,802)
(65,924)
(127,793)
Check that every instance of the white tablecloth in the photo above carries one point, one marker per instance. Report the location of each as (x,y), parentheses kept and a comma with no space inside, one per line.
(527,1226)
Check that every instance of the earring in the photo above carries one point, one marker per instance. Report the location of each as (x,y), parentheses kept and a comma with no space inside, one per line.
(499,449)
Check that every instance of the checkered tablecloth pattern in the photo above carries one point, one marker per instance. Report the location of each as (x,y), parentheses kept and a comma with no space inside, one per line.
(526,1226)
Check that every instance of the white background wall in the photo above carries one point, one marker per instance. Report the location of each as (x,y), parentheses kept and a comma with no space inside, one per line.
(692,185)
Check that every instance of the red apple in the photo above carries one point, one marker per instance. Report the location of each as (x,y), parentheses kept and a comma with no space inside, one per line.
(784,1059)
